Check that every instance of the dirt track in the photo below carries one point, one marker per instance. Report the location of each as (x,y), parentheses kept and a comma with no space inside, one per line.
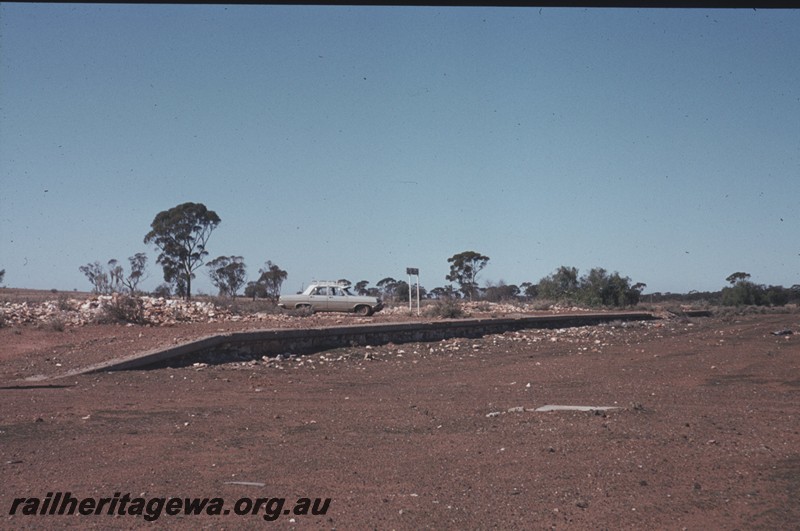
(425,435)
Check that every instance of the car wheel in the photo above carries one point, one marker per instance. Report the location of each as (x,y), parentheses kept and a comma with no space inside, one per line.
(304,308)
(364,311)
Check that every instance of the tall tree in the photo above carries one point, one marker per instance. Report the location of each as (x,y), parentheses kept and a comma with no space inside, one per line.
(739,276)
(361,287)
(387,285)
(97,277)
(138,264)
(529,289)
(561,285)
(401,291)
(595,287)
(181,233)
(272,278)
(116,275)
(446,292)
(464,269)
(228,274)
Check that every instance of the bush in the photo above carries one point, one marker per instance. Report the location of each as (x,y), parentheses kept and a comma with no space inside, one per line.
(777,295)
(445,309)
(502,292)
(63,303)
(596,288)
(542,305)
(55,323)
(125,309)
(743,293)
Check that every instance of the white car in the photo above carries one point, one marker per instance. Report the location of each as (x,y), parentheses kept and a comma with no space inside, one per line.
(324,296)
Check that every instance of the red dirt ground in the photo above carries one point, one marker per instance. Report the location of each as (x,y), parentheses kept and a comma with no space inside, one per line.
(421,435)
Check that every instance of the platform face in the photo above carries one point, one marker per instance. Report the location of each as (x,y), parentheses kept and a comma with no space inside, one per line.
(272,342)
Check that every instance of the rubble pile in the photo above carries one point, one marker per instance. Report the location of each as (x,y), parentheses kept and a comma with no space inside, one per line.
(483,307)
(158,311)
(109,308)
(506,308)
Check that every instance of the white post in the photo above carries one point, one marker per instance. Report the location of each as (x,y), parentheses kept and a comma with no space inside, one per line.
(417,295)
(410,310)
(412,271)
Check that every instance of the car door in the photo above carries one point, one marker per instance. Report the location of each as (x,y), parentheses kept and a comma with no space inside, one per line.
(338,301)
(319,299)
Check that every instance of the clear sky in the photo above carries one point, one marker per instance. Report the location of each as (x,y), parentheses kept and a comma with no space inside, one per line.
(353,142)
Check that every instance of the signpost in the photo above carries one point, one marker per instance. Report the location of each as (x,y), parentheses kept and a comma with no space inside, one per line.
(412,271)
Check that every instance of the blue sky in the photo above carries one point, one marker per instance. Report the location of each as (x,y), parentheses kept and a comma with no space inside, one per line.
(353,142)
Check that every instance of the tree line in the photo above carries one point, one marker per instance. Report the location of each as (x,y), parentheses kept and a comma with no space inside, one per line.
(181,235)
